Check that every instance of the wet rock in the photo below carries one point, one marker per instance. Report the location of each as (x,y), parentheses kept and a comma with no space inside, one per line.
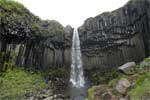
(122,86)
(127,68)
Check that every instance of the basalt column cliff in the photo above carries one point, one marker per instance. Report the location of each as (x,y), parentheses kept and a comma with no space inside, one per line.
(30,42)
(113,38)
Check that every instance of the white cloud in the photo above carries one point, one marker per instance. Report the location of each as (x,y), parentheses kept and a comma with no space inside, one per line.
(72,12)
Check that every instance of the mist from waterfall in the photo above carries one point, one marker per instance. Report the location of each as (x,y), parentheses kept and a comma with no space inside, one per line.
(77,77)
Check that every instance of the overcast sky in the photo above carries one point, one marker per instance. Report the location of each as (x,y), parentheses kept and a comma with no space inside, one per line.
(72,12)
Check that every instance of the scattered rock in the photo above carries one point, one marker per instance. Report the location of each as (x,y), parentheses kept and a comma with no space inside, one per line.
(127,68)
(30,98)
(49,98)
(122,86)
(101,92)
(52,92)
(122,99)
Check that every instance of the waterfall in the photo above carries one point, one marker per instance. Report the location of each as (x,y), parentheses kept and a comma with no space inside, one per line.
(77,77)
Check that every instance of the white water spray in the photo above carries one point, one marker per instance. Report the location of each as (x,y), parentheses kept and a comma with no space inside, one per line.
(77,77)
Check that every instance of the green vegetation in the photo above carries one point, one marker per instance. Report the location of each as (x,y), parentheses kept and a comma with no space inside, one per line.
(58,72)
(14,84)
(103,77)
(8,59)
(15,18)
(141,90)
(11,5)
(19,26)
(91,92)
(101,92)
(52,27)
(113,82)
(139,79)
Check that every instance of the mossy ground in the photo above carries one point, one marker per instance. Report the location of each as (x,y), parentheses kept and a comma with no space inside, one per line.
(103,77)
(14,84)
(139,78)
(141,90)
(91,92)
(58,72)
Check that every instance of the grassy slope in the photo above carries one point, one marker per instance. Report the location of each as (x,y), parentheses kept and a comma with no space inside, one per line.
(14,84)
(140,78)
(141,89)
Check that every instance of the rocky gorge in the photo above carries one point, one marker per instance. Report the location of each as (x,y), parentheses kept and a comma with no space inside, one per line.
(107,41)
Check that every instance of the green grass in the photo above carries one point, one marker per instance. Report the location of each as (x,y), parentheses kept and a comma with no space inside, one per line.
(14,84)
(58,72)
(113,82)
(142,87)
(11,5)
(140,80)
(103,77)
(100,91)
(91,92)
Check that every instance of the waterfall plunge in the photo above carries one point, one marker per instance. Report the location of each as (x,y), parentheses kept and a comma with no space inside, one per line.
(77,78)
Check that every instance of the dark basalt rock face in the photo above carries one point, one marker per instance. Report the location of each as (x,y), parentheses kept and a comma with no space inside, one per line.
(113,38)
(45,52)
(31,42)
(107,40)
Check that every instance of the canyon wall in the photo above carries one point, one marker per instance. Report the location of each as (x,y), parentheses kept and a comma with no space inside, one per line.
(39,53)
(49,52)
(113,38)
(107,40)
(32,43)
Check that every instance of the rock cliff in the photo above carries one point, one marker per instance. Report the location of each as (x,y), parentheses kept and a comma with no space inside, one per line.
(107,40)
(31,42)
(113,38)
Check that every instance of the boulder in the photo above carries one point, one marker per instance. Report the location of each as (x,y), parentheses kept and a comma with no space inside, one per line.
(127,67)
(122,86)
